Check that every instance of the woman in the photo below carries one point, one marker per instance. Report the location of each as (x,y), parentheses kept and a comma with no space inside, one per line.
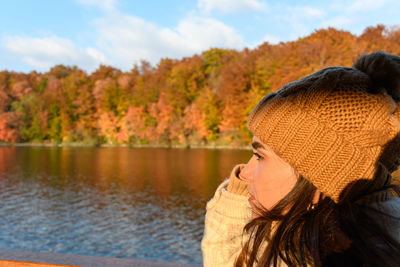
(318,190)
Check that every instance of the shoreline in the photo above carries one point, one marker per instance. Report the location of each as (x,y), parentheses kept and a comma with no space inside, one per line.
(125,145)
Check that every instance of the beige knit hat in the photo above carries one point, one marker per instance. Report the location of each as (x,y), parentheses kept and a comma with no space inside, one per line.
(338,125)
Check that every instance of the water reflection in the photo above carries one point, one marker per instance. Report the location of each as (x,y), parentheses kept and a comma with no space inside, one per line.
(142,203)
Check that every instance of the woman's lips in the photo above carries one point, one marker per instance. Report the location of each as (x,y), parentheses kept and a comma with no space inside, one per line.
(251,198)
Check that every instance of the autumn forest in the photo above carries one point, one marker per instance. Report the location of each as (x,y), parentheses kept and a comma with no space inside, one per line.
(203,100)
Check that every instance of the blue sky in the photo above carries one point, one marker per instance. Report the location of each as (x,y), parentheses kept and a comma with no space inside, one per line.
(36,35)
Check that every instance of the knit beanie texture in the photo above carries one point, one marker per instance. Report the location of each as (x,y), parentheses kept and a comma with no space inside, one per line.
(338,125)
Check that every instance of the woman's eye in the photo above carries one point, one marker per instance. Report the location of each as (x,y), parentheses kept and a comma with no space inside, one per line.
(257,155)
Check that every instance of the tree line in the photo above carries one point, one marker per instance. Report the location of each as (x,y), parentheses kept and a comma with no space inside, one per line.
(195,101)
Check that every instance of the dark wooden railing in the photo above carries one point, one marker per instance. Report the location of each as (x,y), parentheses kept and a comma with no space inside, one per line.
(20,258)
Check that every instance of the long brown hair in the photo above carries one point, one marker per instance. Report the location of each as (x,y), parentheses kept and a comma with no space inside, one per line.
(327,234)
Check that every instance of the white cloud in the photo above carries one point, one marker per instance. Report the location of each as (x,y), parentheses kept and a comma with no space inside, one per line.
(128,39)
(348,14)
(43,53)
(298,13)
(202,33)
(229,6)
(366,5)
(311,12)
(124,40)
(105,5)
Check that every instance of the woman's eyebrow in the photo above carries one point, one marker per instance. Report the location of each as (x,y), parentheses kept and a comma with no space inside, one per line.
(257,145)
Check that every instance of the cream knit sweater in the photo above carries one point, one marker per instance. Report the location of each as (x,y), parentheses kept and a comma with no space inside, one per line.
(227,214)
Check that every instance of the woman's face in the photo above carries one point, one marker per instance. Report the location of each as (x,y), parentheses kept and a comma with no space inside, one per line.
(270,177)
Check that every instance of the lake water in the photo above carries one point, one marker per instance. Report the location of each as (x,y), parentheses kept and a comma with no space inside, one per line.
(138,203)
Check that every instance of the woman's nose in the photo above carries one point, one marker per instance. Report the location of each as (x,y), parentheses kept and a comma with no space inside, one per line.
(247,172)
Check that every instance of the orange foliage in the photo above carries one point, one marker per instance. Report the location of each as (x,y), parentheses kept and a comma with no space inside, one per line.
(108,126)
(132,124)
(163,113)
(100,89)
(20,89)
(194,122)
(235,83)
(195,100)
(9,124)
(124,81)
(4,99)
